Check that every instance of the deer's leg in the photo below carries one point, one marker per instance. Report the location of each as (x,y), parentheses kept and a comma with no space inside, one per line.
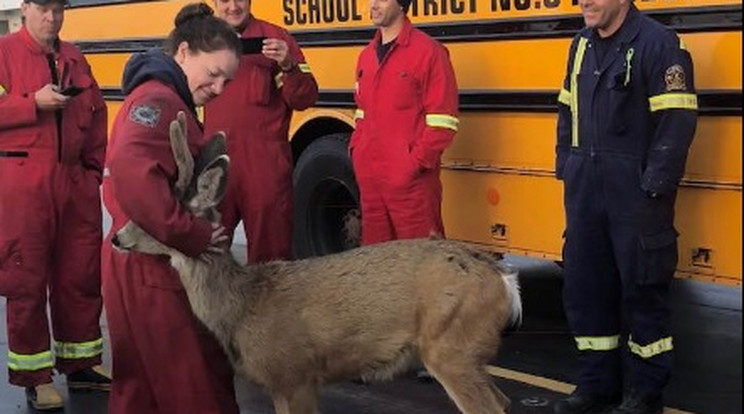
(302,400)
(467,383)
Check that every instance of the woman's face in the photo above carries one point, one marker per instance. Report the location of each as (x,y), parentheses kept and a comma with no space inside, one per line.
(207,72)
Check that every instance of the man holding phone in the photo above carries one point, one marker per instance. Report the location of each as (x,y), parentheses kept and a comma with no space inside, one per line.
(254,111)
(52,144)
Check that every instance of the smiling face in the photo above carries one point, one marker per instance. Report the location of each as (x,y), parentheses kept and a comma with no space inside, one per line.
(234,12)
(606,16)
(43,22)
(207,72)
(385,13)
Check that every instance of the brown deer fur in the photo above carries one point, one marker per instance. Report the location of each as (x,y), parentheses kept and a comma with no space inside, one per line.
(292,326)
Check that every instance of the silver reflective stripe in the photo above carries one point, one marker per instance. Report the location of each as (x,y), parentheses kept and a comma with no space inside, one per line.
(78,350)
(304,68)
(564,97)
(442,121)
(652,349)
(578,60)
(597,343)
(673,101)
(33,362)
(359,114)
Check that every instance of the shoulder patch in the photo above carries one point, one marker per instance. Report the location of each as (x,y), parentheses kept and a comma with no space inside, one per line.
(674,77)
(147,115)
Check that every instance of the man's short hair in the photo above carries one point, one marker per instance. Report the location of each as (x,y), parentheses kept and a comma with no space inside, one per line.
(405,4)
(45,2)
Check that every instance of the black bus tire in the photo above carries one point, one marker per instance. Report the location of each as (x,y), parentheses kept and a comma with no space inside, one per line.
(327,218)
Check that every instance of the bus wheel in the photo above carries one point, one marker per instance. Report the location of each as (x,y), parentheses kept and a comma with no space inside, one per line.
(327,218)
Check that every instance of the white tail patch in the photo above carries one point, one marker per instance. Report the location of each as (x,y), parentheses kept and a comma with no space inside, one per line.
(511,276)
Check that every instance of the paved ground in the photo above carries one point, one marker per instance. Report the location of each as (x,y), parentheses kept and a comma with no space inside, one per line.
(535,367)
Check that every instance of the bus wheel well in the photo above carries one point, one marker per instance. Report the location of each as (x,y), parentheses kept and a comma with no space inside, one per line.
(315,129)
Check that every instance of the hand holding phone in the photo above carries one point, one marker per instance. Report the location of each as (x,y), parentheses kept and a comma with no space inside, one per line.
(71,90)
(252,45)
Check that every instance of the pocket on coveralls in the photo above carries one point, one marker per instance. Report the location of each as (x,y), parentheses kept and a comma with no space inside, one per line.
(11,262)
(260,81)
(658,257)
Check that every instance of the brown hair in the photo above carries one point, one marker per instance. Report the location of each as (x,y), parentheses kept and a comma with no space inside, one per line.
(196,25)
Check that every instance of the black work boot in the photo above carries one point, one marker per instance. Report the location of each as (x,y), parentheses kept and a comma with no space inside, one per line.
(585,403)
(89,379)
(639,403)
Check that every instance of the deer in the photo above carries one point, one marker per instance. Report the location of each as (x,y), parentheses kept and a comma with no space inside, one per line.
(292,326)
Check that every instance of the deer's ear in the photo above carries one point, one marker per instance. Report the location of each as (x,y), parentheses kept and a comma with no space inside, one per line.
(181,154)
(212,182)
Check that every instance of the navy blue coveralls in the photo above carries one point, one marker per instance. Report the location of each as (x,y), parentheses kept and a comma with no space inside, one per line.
(625,126)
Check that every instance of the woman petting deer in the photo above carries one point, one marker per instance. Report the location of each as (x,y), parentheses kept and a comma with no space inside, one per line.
(288,326)
(164,360)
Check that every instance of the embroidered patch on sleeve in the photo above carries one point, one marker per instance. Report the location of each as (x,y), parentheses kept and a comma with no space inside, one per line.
(147,115)
(674,77)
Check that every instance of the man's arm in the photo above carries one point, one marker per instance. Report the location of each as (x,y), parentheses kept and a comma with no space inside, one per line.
(94,151)
(17,111)
(440,102)
(299,88)
(673,105)
(359,113)
(564,130)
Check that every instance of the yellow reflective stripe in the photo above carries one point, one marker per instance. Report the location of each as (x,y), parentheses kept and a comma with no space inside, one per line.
(652,349)
(682,44)
(200,113)
(578,60)
(442,121)
(2,90)
(34,362)
(279,80)
(358,114)
(564,97)
(304,68)
(597,343)
(77,350)
(673,101)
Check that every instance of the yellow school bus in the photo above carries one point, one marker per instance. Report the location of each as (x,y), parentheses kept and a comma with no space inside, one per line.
(509,56)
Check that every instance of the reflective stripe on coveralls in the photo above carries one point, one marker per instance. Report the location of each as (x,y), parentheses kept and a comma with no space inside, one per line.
(77,350)
(359,114)
(673,101)
(578,60)
(597,343)
(442,121)
(279,78)
(33,362)
(652,349)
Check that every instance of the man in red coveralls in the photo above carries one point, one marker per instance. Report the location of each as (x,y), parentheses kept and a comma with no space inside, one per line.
(406,96)
(52,145)
(254,112)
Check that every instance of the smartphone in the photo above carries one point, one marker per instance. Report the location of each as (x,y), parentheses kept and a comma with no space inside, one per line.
(252,45)
(71,90)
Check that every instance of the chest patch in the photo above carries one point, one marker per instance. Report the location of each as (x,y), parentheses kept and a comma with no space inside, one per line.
(146,115)
(674,77)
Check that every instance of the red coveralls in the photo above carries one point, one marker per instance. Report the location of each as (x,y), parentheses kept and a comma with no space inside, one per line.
(254,111)
(407,116)
(50,211)
(164,359)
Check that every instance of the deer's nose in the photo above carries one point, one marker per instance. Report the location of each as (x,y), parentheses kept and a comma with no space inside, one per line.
(115,241)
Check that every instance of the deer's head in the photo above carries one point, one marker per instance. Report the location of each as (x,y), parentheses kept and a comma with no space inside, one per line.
(200,186)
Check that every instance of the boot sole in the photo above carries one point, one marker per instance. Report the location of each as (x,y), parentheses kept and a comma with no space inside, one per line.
(89,387)
(47,407)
